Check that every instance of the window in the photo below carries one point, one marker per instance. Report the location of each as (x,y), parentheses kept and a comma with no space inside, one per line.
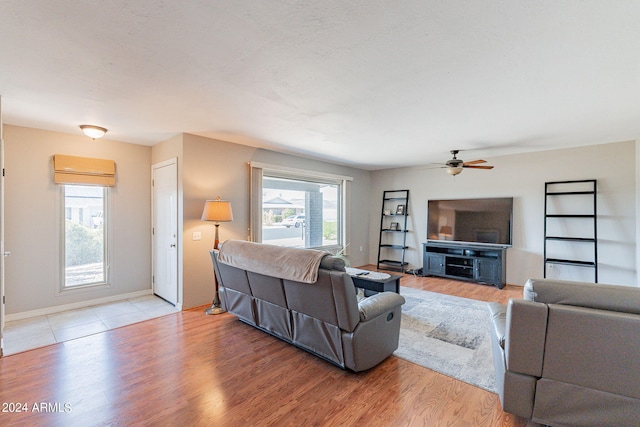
(84,239)
(297,208)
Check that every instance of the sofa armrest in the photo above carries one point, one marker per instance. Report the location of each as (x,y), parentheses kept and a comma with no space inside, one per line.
(376,336)
(378,304)
(525,336)
(499,321)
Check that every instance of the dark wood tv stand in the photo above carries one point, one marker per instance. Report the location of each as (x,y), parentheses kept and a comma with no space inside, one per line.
(485,263)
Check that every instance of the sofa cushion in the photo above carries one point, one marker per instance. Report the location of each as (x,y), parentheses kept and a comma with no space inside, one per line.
(625,299)
(315,300)
(595,349)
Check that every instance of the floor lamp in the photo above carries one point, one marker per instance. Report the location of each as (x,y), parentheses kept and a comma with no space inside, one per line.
(217,211)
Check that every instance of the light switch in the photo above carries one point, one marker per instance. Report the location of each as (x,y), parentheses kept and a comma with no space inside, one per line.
(197,235)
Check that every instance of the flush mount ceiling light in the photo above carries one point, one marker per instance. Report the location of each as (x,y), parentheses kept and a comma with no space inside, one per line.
(92,131)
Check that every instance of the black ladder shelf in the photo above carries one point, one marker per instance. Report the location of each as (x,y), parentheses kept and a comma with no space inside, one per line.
(393,230)
(580,193)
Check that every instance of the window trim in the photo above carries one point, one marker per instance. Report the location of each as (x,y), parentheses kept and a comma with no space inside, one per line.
(258,170)
(63,288)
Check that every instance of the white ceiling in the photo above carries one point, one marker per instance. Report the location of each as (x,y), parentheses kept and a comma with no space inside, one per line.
(373,84)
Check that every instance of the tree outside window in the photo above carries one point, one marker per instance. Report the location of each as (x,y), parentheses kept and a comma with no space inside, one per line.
(84,236)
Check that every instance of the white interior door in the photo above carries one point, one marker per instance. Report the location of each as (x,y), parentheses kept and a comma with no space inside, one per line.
(165,231)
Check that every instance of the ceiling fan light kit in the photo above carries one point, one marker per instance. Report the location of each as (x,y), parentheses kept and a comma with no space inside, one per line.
(451,170)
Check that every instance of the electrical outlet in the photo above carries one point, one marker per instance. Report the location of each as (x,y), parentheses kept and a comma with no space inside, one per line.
(197,235)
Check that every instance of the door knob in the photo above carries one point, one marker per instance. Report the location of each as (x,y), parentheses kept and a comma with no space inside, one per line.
(6,254)
(173,245)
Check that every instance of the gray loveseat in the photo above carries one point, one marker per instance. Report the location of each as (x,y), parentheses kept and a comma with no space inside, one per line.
(568,354)
(320,314)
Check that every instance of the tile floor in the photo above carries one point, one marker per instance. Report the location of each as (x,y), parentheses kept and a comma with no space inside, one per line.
(26,334)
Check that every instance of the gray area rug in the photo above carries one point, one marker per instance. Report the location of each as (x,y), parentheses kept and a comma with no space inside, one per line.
(449,335)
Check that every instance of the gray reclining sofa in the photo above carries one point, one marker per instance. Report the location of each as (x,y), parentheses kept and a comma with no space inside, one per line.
(320,314)
(568,354)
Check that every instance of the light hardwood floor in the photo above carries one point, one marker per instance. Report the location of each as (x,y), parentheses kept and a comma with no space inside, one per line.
(192,369)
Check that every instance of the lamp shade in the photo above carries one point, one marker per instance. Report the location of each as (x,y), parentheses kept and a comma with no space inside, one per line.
(217,210)
(446,229)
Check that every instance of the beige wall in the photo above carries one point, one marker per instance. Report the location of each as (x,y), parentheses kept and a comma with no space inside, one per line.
(522,177)
(33,218)
(206,168)
(209,168)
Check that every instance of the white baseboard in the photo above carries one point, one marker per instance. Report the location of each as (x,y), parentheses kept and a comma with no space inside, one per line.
(74,305)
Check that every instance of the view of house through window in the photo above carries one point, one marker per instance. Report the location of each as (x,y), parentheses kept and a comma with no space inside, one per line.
(84,235)
(300,213)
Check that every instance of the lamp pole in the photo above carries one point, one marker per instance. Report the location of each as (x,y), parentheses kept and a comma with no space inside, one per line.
(216,305)
(217,211)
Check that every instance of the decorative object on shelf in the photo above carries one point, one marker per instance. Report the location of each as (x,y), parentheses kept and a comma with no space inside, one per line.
(217,211)
(393,235)
(93,131)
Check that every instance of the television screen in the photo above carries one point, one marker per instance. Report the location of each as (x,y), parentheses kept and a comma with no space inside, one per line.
(486,221)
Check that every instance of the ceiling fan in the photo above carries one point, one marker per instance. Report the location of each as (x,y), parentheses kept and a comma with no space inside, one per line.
(455,165)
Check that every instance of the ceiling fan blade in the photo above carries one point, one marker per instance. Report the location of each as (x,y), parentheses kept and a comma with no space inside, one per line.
(477,167)
(475,162)
(433,166)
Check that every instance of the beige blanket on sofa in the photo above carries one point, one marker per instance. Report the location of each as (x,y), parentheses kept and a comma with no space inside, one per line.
(300,265)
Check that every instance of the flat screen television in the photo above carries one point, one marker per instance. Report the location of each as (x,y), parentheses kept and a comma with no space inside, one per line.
(481,221)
